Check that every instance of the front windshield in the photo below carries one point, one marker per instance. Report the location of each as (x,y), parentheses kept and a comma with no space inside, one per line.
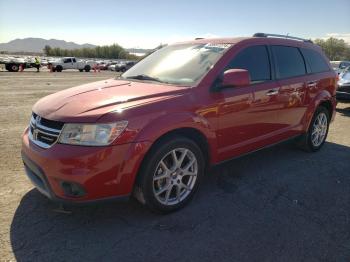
(181,64)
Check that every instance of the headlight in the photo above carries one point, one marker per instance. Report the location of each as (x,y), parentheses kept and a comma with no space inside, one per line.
(91,134)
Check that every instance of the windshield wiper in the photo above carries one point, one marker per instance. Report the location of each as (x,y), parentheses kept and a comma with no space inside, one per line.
(145,77)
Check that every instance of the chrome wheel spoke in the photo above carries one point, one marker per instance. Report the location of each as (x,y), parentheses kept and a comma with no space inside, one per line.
(192,161)
(189,174)
(164,166)
(162,176)
(182,157)
(162,190)
(175,161)
(186,187)
(167,194)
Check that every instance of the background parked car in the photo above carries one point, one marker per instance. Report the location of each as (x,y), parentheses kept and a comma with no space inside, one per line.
(103,65)
(70,63)
(343,91)
(122,67)
(339,66)
(112,66)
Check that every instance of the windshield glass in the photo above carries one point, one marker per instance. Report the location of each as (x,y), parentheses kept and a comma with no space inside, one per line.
(182,64)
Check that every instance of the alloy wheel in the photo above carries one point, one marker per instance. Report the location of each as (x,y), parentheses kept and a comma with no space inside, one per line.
(319,129)
(175,176)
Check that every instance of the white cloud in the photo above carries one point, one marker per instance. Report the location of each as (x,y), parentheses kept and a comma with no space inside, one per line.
(151,42)
(344,36)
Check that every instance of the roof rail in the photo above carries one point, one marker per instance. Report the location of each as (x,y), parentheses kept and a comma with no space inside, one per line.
(282,36)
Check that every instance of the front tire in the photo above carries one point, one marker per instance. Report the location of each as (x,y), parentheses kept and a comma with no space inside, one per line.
(170,174)
(317,133)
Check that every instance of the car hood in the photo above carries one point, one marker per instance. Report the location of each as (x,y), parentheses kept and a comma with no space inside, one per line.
(87,103)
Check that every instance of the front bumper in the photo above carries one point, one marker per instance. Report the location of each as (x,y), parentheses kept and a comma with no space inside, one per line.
(97,173)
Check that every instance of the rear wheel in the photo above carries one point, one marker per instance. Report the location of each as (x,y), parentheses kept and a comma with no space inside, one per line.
(87,68)
(317,133)
(59,68)
(12,68)
(170,175)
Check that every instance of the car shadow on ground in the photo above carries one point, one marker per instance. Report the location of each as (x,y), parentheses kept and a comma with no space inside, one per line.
(279,203)
(344,111)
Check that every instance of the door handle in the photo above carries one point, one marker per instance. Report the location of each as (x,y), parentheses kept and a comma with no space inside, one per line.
(312,84)
(272,92)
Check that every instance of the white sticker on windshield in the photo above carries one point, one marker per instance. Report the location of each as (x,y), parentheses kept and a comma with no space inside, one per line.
(217,47)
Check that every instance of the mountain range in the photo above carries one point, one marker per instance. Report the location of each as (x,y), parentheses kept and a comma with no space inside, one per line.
(36,45)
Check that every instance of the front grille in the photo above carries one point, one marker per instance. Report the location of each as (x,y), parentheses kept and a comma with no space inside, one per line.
(44,132)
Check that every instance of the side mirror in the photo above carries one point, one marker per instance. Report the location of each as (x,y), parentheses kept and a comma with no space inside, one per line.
(235,77)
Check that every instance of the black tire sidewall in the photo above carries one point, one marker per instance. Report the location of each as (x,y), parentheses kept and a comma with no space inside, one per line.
(14,68)
(319,110)
(145,179)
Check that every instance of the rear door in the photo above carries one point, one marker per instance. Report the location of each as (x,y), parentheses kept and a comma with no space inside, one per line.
(290,71)
(317,78)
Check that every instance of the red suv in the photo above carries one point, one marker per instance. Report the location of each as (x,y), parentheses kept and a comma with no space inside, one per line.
(153,131)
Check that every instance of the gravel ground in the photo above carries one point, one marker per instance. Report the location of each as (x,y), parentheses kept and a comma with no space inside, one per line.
(278,204)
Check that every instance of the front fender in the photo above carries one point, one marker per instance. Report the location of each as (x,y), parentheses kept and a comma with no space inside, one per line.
(174,121)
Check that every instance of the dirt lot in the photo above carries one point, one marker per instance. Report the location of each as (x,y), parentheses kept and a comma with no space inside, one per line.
(279,204)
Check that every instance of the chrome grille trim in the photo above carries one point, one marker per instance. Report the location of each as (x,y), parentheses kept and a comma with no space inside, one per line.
(42,135)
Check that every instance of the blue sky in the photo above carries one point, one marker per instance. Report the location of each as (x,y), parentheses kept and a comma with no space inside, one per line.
(148,23)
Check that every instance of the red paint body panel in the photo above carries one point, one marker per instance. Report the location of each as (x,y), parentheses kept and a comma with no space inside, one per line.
(104,172)
(234,121)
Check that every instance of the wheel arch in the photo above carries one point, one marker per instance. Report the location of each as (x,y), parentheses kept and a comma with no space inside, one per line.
(188,132)
(185,124)
(325,99)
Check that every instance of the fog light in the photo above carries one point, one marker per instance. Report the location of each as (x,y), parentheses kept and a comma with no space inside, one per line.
(72,189)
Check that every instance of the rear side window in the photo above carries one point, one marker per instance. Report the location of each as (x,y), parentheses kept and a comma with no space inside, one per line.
(315,60)
(255,59)
(289,61)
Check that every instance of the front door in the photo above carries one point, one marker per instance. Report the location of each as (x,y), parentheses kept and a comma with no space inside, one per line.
(247,115)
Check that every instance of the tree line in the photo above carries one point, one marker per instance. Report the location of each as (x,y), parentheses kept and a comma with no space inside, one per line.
(108,52)
(334,48)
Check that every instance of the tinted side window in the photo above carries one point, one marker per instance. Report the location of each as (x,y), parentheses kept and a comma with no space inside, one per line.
(67,60)
(289,61)
(255,59)
(315,61)
(74,61)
